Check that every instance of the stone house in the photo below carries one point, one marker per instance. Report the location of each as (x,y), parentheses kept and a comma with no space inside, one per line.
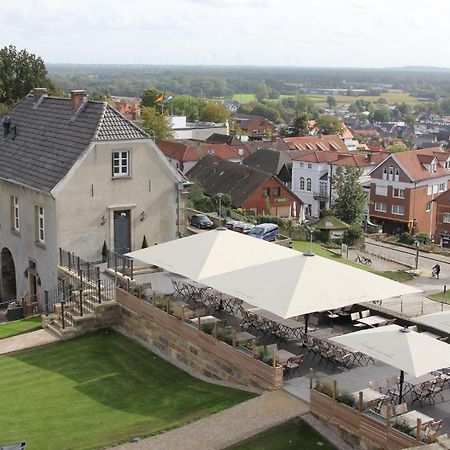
(74,174)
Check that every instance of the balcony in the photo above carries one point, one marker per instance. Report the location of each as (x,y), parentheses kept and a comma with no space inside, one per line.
(322,193)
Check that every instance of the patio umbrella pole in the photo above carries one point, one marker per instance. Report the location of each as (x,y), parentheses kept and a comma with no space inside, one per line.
(306,323)
(402,379)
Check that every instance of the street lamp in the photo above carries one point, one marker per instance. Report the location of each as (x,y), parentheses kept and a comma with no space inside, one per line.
(220,195)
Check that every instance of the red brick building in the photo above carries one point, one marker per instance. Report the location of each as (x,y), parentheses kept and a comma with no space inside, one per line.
(251,189)
(442,215)
(403,188)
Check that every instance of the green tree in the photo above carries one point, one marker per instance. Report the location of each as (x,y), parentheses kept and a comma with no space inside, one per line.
(155,124)
(329,125)
(351,201)
(214,112)
(410,119)
(186,105)
(20,72)
(304,104)
(397,148)
(261,91)
(381,115)
(300,124)
(331,101)
(149,97)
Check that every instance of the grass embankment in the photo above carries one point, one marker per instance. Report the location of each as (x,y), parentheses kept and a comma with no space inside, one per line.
(294,434)
(97,390)
(318,250)
(9,329)
(441,297)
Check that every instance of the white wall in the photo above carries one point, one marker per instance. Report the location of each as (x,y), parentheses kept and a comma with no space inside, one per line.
(23,245)
(90,193)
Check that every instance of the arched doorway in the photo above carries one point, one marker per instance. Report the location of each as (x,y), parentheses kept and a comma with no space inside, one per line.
(8,276)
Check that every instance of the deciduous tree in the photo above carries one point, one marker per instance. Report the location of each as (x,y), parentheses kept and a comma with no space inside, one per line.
(329,125)
(20,72)
(155,124)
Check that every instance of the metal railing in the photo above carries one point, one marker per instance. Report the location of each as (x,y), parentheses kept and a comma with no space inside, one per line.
(78,265)
(120,264)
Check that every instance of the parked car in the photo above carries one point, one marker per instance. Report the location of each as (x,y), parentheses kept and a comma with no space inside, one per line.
(231,224)
(201,221)
(266,231)
(244,227)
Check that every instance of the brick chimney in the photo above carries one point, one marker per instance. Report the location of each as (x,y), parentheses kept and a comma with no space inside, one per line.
(38,93)
(76,99)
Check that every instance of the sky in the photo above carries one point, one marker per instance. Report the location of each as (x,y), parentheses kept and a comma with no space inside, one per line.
(311,33)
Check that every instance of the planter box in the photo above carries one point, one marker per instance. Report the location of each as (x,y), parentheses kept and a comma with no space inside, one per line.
(14,313)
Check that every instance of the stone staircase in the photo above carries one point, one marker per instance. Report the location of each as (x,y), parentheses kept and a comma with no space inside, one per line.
(73,317)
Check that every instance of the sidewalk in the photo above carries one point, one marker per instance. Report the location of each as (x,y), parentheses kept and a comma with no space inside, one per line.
(228,427)
(27,340)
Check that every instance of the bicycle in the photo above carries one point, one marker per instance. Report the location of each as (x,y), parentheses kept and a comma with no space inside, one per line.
(363,260)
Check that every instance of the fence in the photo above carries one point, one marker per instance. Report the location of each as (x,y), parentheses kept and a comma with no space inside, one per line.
(120,263)
(413,306)
(75,264)
(378,433)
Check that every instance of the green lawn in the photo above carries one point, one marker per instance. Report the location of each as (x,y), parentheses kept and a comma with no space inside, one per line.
(294,434)
(97,390)
(440,297)
(16,327)
(391,98)
(318,250)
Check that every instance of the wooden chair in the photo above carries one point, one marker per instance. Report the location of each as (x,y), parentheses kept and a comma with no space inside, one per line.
(422,392)
(293,365)
(400,409)
(375,385)
(392,387)
(432,429)
(436,389)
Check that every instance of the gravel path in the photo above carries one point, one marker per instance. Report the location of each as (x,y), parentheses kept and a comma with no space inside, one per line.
(228,427)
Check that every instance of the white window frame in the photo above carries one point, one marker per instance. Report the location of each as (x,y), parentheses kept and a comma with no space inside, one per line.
(433,167)
(309,166)
(447,164)
(302,183)
(428,207)
(41,224)
(308,184)
(442,187)
(380,207)
(302,164)
(397,175)
(435,188)
(396,210)
(16,214)
(391,173)
(430,189)
(121,164)
(400,193)
(385,172)
(446,218)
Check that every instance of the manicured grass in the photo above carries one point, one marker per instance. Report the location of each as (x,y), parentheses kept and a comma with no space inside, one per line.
(318,250)
(16,327)
(442,297)
(294,434)
(97,390)
(244,98)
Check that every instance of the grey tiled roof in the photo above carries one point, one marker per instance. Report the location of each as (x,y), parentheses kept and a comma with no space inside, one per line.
(48,142)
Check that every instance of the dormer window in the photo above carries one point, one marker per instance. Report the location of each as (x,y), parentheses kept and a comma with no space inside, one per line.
(397,175)
(391,173)
(433,167)
(385,173)
(447,164)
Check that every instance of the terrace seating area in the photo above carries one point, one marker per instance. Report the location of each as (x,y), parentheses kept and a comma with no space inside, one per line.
(277,341)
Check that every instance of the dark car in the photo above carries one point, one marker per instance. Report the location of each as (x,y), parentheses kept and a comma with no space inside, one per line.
(201,221)
(232,224)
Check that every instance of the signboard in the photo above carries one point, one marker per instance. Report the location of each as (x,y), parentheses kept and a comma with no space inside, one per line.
(281,199)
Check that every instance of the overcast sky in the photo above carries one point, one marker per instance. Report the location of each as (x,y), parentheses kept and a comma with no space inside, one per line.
(328,33)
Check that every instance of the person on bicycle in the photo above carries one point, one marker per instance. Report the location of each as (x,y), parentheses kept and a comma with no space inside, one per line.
(436,270)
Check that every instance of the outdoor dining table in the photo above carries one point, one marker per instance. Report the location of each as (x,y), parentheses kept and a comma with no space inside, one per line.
(244,336)
(373,321)
(414,381)
(370,395)
(291,327)
(283,356)
(411,418)
(204,320)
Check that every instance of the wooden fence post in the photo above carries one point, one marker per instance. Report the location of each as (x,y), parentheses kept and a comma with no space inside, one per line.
(418,430)
(360,401)
(311,377)
(334,389)
(274,358)
(253,347)
(234,338)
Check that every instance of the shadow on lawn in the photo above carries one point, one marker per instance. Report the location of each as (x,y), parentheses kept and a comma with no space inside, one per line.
(113,370)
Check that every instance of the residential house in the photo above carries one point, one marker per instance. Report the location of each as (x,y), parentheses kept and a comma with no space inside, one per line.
(404,186)
(251,189)
(442,214)
(255,127)
(75,174)
(131,111)
(272,161)
(217,138)
(185,154)
(275,144)
(312,172)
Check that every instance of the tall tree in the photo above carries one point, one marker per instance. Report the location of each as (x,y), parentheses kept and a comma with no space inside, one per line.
(329,125)
(331,101)
(155,124)
(351,201)
(20,72)
(149,97)
(300,124)
(214,112)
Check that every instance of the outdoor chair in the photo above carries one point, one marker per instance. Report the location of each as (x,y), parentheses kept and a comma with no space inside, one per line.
(400,409)
(422,392)
(354,317)
(444,374)
(443,339)
(413,328)
(365,313)
(345,311)
(432,429)
(341,359)
(392,388)
(334,314)
(390,322)
(293,365)
(436,389)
